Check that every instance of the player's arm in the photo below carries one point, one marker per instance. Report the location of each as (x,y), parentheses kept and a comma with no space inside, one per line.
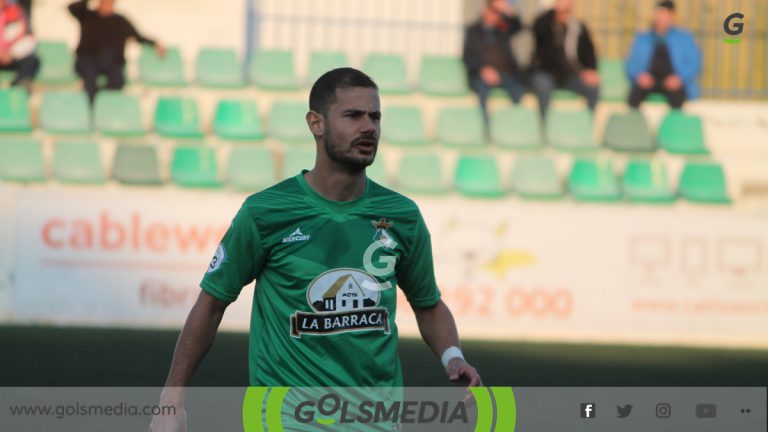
(438,329)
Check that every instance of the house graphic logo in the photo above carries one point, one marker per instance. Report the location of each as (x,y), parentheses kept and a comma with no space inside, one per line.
(343,300)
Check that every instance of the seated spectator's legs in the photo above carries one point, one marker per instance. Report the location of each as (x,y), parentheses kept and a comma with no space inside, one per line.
(638,95)
(591,93)
(115,78)
(513,86)
(88,69)
(675,98)
(483,90)
(26,69)
(543,85)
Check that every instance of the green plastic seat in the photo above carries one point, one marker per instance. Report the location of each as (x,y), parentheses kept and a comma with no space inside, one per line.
(628,132)
(56,64)
(421,173)
(238,120)
(656,98)
(273,70)
(647,181)
(516,128)
(251,168)
(442,76)
(296,159)
(136,165)
(460,127)
(14,111)
(570,130)
(78,162)
(564,94)
(167,71)
(682,133)
(594,180)
(287,121)
(478,176)
(404,126)
(321,62)
(219,68)
(21,160)
(117,114)
(704,182)
(177,117)
(614,85)
(377,171)
(535,177)
(195,167)
(65,112)
(389,72)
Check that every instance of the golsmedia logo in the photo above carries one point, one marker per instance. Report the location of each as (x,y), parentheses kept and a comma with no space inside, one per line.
(341,409)
(733,26)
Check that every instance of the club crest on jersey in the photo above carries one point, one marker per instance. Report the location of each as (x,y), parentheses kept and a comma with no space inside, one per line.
(344,300)
(382,225)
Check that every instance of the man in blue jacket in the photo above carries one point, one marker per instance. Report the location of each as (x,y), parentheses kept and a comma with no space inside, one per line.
(664,60)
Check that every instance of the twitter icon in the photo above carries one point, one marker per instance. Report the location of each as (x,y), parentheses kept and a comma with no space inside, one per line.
(624,411)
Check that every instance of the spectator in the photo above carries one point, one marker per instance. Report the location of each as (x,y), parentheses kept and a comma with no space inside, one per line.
(664,59)
(102,44)
(488,54)
(26,6)
(17,45)
(564,56)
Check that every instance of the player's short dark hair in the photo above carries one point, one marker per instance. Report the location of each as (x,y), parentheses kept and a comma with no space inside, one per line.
(323,93)
(666,4)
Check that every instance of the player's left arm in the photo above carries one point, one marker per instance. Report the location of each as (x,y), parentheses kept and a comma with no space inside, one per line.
(438,329)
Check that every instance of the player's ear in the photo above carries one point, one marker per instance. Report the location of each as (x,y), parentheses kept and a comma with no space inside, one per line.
(316,123)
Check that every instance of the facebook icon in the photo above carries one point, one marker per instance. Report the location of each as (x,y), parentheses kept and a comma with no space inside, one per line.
(588,410)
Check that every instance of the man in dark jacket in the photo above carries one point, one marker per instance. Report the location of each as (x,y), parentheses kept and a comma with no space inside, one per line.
(488,55)
(103,34)
(564,56)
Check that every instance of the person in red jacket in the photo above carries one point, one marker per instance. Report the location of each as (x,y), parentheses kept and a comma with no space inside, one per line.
(101,50)
(17,45)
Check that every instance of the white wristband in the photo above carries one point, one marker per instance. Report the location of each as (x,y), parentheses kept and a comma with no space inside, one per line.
(448,354)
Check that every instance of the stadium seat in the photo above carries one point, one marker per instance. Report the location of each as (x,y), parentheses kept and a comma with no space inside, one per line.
(287,121)
(704,182)
(14,111)
(570,130)
(647,181)
(460,127)
(405,126)
(594,180)
(65,112)
(628,132)
(682,133)
(273,70)
(516,128)
(296,159)
(421,172)
(219,68)
(321,62)
(117,114)
(167,71)
(136,165)
(442,76)
(478,176)
(195,166)
(56,64)
(564,94)
(251,168)
(177,118)
(614,85)
(78,162)
(21,160)
(238,119)
(377,171)
(389,72)
(535,177)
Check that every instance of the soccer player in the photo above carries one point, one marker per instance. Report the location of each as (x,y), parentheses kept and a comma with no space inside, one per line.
(327,247)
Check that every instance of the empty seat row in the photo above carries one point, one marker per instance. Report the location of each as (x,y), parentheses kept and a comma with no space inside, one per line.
(254,168)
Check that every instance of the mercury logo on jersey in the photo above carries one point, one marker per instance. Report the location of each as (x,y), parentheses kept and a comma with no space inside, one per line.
(344,300)
(296,236)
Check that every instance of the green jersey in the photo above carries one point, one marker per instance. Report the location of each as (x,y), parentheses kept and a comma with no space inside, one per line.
(323,310)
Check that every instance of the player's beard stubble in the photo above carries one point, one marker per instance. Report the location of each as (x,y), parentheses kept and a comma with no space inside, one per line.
(343,158)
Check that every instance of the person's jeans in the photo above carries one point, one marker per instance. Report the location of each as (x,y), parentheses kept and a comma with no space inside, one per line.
(674,98)
(510,83)
(90,67)
(544,84)
(26,69)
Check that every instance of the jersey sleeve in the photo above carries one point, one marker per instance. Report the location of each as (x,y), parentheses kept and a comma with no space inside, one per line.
(237,261)
(415,272)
